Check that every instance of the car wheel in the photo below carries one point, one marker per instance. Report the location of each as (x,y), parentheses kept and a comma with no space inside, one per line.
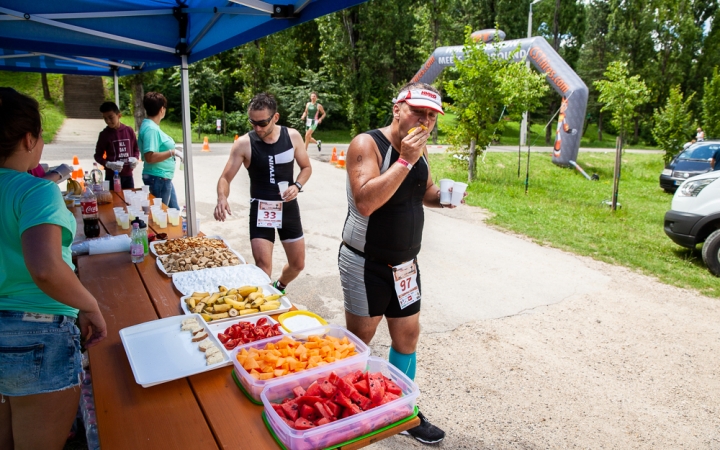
(711,253)
(669,191)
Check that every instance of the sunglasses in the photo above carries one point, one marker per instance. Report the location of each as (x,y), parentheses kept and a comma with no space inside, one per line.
(261,123)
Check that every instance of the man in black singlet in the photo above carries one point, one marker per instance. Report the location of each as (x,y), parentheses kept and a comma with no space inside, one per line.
(389,183)
(269,153)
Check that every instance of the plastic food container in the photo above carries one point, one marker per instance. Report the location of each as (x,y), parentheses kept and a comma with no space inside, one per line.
(293,321)
(344,429)
(253,387)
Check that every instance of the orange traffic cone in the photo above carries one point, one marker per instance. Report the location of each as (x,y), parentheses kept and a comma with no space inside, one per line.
(236,138)
(341,160)
(76,161)
(333,158)
(206,145)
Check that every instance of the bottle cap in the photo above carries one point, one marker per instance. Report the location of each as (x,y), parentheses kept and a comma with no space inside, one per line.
(135,224)
(141,223)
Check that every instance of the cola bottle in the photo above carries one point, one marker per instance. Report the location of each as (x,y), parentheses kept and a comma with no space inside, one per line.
(88,204)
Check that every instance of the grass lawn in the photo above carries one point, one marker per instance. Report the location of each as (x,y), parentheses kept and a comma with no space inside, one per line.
(53,112)
(564,210)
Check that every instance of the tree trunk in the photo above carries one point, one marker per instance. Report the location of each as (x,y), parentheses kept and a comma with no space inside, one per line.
(616,174)
(556,26)
(222,95)
(472,161)
(549,128)
(138,92)
(636,136)
(46,88)
(600,127)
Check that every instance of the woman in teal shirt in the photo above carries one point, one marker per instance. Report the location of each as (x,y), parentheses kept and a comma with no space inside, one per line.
(40,296)
(158,150)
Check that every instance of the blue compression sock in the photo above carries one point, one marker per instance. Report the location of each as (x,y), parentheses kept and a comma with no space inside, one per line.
(406,363)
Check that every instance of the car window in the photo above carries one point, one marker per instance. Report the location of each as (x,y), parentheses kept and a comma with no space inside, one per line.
(700,151)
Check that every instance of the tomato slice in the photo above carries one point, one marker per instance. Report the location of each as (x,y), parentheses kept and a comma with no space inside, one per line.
(223,337)
(262,321)
(231,344)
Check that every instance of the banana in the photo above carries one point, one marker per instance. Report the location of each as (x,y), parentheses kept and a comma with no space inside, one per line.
(270,306)
(213,298)
(272,297)
(222,289)
(246,290)
(245,312)
(222,308)
(232,291)
(200,294)
(191,302)
(421,126)
(235,304)
(218,316)
(199,308)
(253,296)
(257,302)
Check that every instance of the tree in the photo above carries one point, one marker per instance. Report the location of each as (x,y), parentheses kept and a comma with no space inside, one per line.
(674,123)
(486,85)
(621,95)
(711,105)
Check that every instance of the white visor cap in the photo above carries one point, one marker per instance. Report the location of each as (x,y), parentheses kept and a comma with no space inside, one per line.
(421,98)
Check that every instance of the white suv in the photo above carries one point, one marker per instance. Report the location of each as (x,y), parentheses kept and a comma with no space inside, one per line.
(695,217)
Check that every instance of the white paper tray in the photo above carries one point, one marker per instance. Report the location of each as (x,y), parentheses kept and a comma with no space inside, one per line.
(162,268)
(216,327)
(208,280)
(285,303)
(154,243)
(159,351)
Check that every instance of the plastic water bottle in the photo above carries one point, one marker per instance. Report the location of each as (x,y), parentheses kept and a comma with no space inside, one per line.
(96,178)
(117,186)
(183,218)
(137,249)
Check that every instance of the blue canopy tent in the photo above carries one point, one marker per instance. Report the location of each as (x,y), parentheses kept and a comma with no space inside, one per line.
(125,37)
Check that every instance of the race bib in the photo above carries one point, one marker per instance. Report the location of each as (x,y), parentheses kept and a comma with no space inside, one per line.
(308,122)
(406,283)
(269,214)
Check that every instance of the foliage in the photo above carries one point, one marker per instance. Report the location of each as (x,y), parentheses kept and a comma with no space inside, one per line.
(711,105)
(562,209)
(487,86)
(674,123)
(292,99)
(206,120)
(53,111)
(621,94)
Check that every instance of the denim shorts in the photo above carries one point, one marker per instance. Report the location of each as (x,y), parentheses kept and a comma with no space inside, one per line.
(38,353)
(161,188)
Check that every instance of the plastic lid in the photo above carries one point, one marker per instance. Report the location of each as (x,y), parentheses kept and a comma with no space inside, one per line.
(135,224)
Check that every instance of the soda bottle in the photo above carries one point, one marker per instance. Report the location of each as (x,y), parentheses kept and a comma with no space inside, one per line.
(137,250)
(88,203)
(117,186)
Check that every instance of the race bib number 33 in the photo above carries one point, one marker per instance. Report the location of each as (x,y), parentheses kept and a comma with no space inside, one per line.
(269,214)
(406,283)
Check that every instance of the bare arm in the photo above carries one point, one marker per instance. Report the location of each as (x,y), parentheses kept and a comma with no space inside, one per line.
(42,251)
(369,188)
(303,161)
(304,114)
(156,157)
(239,154)
(322,111)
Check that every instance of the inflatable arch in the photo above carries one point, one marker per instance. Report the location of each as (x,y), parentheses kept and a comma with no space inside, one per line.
(546,60)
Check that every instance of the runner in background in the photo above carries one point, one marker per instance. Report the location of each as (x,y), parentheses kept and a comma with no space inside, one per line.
(310,116)
(269,153)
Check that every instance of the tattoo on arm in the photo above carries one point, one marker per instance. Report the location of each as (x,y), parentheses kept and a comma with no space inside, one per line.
(359,158)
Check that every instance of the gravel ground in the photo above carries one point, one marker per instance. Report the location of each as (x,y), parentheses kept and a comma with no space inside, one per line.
(635,368)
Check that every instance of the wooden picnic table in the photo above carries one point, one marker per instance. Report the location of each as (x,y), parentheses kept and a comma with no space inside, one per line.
(203,411)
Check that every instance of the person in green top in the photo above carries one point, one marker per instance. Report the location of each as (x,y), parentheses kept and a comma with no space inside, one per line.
(158,151)
(40,296)
(312,110)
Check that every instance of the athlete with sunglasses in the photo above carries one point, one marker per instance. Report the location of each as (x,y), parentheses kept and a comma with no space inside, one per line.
(269,153)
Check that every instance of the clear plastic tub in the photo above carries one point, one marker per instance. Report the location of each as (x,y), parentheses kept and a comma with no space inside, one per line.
(344,429)
(254,387)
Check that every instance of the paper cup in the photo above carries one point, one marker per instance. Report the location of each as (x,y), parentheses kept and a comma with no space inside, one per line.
(146,189)
(162,219)
(106,185)
(125,221)
(173,217)
(282,186)
(157,202)
(445,195)
(458,193)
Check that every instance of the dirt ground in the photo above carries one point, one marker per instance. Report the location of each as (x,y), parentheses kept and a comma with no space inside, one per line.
(635,368)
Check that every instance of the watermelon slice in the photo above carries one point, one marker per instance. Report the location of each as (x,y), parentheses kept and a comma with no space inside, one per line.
(334,408)
(342,400)
(363,402)
(279,410)
(389,396)
(324,411)
(333,378)
(309,413)
(321,421)
(291,410)
(362,387)
(391,387)
(314,389)
(346,388)
(327,388)
(376,386)
(303,424)
(298,391)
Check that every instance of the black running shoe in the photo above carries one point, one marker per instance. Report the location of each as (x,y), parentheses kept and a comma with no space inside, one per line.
(426,432)
(319,145)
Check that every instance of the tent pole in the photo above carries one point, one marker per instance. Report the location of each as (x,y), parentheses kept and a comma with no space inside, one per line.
(117,88)
(187,147)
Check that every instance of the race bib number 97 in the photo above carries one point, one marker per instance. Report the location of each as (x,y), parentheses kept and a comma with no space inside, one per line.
(406,283)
